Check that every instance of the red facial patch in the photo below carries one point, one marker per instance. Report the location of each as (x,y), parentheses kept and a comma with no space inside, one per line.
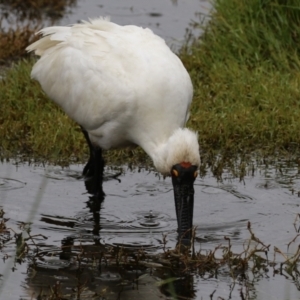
(185,164)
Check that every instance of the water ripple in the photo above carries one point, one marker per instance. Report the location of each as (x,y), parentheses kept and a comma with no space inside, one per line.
(7,184)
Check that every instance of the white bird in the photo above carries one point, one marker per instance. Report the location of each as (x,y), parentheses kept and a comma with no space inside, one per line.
(124,86)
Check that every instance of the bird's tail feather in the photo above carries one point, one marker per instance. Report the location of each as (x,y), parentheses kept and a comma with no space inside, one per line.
(51,37)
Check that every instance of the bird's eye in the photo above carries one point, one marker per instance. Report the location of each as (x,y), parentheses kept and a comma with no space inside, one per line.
(175,173)
(195,174)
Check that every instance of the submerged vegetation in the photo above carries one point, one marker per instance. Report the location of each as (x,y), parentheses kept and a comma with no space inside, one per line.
(245,70)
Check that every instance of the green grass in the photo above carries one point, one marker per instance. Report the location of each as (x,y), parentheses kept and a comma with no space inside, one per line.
(30,124)
(254,32)
(245,70)
(238,109)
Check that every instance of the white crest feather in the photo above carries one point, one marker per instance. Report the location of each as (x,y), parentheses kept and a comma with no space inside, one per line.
(182,146)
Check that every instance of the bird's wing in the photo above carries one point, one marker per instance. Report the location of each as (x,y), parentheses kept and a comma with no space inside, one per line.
(80,70)
(106,75)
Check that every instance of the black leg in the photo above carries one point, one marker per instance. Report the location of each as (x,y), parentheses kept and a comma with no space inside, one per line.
(93,170)
(88,170)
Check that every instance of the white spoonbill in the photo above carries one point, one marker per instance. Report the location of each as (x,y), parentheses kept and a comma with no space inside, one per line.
(124,86)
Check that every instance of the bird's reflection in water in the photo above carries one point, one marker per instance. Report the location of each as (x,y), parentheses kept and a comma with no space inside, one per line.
(87,267)
(94,205)
(66,247)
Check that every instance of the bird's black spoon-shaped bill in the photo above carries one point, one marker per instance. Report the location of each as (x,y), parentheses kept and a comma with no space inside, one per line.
(183,177)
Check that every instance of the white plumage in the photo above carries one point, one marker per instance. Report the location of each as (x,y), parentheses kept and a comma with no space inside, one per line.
(123,85)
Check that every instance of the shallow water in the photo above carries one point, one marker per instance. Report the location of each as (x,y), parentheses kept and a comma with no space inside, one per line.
(167,18)
(139,209)
(55,202)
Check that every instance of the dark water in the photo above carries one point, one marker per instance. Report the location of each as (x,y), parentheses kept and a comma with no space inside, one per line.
(139,208)
(55,202)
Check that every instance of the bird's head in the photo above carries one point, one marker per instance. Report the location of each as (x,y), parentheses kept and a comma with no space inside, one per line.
(180,158)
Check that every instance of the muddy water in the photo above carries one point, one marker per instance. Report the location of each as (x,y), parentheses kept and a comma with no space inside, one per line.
(137,210)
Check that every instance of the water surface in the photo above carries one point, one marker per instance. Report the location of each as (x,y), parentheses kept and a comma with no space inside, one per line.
(167,18)
(137,210)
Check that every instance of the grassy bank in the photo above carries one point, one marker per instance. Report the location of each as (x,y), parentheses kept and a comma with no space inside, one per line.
(245,70)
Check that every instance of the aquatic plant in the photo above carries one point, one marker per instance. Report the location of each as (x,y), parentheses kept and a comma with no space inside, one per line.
(174,267)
